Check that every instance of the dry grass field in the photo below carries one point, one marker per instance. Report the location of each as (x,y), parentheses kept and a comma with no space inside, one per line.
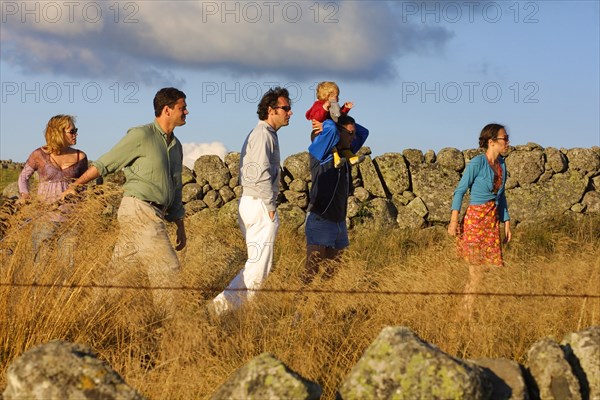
(388,277)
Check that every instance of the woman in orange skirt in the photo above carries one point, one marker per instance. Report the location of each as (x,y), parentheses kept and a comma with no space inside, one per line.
(479,234)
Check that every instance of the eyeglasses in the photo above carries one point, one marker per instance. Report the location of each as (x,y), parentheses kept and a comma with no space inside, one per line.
(284,108)
(505,138)
(72,131)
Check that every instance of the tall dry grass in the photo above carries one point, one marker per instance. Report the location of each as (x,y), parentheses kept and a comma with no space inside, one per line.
(320,334)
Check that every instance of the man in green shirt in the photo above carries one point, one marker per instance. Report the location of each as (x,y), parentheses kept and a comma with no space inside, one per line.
(152,159)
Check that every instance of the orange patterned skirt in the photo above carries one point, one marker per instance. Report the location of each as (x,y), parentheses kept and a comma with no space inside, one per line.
(479,239)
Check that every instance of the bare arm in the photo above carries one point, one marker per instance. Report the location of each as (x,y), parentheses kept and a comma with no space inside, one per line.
(181,237)
(453,226)
(90,174)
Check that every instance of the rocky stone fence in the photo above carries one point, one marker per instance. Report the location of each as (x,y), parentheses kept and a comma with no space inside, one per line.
(411,189)
(10,164)
(398,364)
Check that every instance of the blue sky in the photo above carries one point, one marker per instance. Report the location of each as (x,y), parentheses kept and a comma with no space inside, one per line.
(422,74)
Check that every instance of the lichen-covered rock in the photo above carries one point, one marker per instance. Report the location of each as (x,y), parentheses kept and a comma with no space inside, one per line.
(542,200)
(407,218)
(383,212)
(582,351)
(232,160)
(265,377)
(193,207)
(361,194)
(298,185)
(229,213)
(552,373)
(530,146)
(506,378)
(298,166)
(451,158)
(226,194)
(191,191)
(399,200)
(62,370)
(430,157)
(584,160)
(238,191)
(399,365)
(435,185)
(547,175)
(371,181)
(418,207)
(353,207)
(187,176)
(291,216)
(591,201)
(213,199)
(211,168)
(556,160)
(413,156)
(525,166)
(394,172)
(469,154)
(299,199)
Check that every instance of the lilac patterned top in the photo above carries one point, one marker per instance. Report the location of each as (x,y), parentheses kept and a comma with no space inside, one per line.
(52,180)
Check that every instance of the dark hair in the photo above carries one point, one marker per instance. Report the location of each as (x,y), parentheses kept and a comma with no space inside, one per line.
(270,99)
(345,120)
(490,131)
(166,97)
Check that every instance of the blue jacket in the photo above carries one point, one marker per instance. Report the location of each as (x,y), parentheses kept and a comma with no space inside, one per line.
(331,186)
(479,178)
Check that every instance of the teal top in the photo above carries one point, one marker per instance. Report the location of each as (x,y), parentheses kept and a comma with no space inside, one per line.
(152,168)
(478,177)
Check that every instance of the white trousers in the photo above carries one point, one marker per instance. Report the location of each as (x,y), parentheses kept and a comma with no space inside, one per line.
(259,231)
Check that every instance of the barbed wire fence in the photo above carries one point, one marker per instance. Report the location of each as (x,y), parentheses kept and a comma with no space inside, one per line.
(349,292)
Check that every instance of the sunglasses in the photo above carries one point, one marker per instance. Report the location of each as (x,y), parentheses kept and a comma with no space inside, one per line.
(506,139)
(284,108)
(72,131)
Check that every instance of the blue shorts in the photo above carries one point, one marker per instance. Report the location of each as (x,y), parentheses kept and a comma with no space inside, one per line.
(322,232)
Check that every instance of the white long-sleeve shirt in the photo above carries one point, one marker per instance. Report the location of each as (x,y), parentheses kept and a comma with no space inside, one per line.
(260,165)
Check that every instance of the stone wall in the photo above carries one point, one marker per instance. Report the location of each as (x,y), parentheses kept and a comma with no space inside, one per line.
(410,189)
(397,364)
(10,164)
(414,189)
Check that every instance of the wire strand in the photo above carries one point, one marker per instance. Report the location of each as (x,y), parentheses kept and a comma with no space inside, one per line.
(301,290)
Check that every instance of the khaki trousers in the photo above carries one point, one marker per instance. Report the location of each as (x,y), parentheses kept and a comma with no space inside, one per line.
(144,243)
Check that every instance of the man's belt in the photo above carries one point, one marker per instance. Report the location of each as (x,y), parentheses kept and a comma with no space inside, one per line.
(162,208)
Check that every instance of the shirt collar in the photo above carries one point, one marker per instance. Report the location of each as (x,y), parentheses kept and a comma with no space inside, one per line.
(160,130)
(269,127)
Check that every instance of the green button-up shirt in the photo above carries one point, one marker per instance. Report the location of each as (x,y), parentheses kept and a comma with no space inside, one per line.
(152,168)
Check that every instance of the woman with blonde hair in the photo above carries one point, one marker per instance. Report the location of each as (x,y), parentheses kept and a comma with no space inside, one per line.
(57,164)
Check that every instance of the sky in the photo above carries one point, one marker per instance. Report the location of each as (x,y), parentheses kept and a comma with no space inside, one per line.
(422,74)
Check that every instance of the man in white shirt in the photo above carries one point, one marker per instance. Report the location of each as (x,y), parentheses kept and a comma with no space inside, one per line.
(259,177)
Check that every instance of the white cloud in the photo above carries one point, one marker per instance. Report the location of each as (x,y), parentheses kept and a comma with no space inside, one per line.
(295,39)
(193,151)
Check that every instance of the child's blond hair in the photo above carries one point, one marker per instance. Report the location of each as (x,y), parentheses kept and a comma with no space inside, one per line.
(326,89)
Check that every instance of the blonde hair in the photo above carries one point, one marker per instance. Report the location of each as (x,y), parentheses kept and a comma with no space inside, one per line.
(55,133)
(326,89)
